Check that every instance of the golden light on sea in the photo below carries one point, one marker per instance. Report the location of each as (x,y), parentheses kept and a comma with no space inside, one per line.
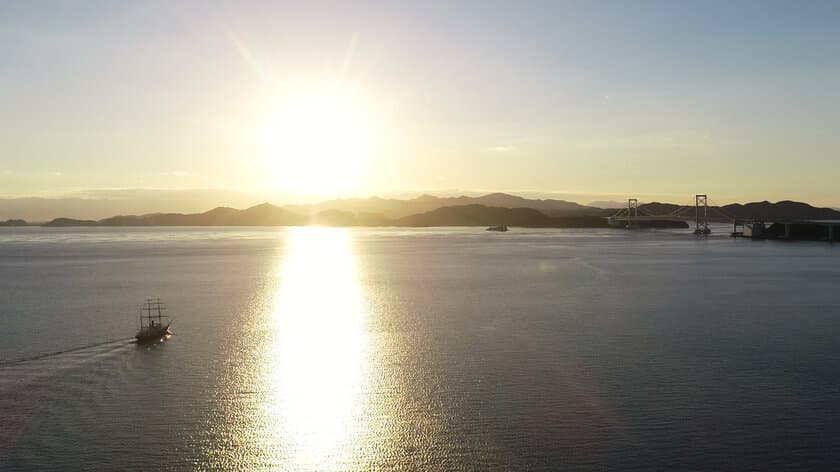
(318,366)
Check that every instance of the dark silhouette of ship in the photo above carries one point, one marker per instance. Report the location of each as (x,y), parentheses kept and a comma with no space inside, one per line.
(152,327)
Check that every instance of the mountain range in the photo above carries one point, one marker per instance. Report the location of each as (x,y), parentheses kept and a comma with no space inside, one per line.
(427,210)
(394,208)
(270,215)
(787,210)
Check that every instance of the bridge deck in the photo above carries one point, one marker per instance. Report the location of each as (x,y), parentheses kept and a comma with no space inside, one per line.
(673,218)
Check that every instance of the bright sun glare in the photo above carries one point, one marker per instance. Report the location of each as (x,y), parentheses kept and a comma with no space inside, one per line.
(318,364)
(319,144)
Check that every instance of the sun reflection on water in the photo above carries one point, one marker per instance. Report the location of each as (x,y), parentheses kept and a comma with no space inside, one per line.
(317,364)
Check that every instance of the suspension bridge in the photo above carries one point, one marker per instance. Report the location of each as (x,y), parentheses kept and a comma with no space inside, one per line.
(702,215)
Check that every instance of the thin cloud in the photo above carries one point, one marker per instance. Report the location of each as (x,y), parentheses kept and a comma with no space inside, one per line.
(502,149)
(348,56)
(247,55)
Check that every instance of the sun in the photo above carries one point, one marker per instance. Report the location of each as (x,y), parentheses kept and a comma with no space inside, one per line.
(318,144)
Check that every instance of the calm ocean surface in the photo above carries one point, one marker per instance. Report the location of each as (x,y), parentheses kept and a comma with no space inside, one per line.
(428,349)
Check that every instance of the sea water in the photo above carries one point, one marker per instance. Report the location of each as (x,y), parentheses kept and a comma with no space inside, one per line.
(418,349)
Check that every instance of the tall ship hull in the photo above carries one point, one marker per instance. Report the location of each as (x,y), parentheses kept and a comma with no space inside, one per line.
(152,334)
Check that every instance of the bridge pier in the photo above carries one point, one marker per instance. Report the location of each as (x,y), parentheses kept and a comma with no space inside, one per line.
(701,218)
(632,212)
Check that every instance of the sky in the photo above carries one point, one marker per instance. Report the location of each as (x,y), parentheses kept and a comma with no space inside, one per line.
(298,101)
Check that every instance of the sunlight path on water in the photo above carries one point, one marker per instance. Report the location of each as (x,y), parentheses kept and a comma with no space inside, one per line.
(316,367)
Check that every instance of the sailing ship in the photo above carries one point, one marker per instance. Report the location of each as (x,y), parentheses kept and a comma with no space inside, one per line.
(152,327)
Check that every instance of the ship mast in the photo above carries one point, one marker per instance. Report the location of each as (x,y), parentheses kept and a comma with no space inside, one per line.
(153,304)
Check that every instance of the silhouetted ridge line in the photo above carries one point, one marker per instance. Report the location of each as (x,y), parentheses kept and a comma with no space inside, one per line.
(480,215)
(435,211)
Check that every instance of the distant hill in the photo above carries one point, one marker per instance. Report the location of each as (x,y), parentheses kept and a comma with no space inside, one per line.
(95,204)
(607,204)
(780,210)
(472,214)
(13,222)
(260,215)
(61,222)
(270,215)
(481,215)
(397,208)
(346,218)
(757,210)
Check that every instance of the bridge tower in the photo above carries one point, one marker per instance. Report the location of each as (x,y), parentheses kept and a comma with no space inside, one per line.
(632,212)
(701,215)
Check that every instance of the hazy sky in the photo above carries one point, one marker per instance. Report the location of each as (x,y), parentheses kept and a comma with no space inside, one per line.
(628,98)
